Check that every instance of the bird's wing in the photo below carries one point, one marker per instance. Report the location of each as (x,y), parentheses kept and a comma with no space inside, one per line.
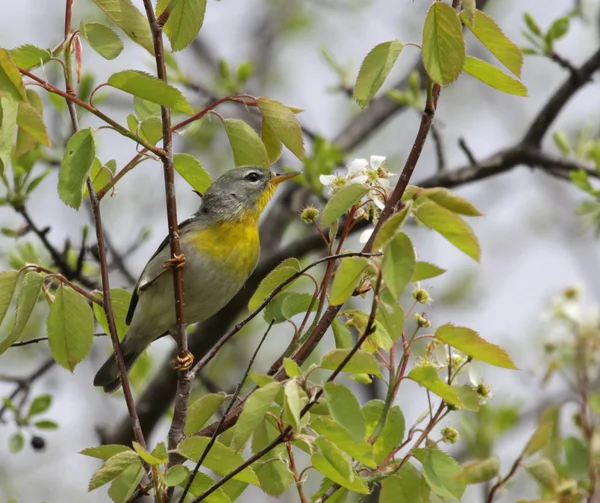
(144,282)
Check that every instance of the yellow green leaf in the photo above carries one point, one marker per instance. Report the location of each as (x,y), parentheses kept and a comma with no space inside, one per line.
(493,77)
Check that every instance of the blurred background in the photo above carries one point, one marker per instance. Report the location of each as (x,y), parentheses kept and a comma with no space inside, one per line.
(533,244)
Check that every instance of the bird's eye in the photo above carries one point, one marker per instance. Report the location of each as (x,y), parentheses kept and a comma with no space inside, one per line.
(252,176)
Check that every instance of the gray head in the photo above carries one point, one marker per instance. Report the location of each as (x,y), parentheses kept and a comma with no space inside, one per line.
(241,193)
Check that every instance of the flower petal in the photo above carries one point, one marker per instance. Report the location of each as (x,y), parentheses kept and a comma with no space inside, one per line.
(377,161)
(327,179)
(358,179)
(356,167)
(365,235)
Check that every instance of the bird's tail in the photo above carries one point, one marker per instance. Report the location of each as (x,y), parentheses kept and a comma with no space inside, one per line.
(108,376)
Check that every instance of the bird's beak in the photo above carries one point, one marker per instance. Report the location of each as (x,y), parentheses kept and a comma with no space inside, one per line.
(277,179)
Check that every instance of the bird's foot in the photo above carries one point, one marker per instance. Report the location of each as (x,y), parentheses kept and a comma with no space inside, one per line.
(183,361)
(177,262)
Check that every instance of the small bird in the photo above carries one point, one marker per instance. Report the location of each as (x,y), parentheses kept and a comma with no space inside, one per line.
(220,249)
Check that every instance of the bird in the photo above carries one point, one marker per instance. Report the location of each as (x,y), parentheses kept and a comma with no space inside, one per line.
(219,250)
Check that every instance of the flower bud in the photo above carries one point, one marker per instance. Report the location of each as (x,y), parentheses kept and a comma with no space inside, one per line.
(309,214)
(421,320)
(449,435)
(421,296)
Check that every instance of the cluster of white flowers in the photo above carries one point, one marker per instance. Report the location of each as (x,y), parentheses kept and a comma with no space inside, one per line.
(374,175)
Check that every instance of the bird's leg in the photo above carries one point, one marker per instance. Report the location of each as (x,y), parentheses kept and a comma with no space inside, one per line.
(184,361)
(177,261)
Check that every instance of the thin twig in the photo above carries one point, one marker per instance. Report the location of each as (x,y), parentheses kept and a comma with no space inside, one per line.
(40,339)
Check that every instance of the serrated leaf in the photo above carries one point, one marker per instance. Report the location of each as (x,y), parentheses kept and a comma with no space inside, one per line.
(130,20)
(253,413)
(75,167)
(389,228)
(288,304)
(175,475)
(247,147)
(450,226)
(441,472)
(112,468)
(26,298)
(147,457)
(29,56)
(8,122)
(284,124)
(322,464)
(292,369)
(150,88)
(151,129)
(281,273)
(184,23)
(345,409)
(100,175)
(272,143)
(30,121)
(125,483)
(120,300)
(341,202)
(494,39)
(201,410)
(538,440)
(8,285)
(346,279)
(294,399)
(201,483)
(480,470)
(145,109)
(429,378)
(391,317)
(378,339)
(361,362)
(391,435)
(443,46)
(398,264)
(104,451)
(425,270)
(70,328)
(450,201)
(275,477)
(221,459)
(544,473)
(102,39)
(11,83)
(192,172)
(39,405)
(468,341)
(405,485)
(374,70)
(493,77)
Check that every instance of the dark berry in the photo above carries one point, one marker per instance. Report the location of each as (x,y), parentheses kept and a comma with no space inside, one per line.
(38,443)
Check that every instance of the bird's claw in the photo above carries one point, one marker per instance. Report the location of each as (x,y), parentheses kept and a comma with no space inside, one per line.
(177,262)
(183,361)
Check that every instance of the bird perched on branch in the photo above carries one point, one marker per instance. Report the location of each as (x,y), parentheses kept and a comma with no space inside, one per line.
(220,249)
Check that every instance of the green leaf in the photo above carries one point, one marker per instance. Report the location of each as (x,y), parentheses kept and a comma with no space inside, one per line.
(8,121)
(275,477)
(468,341)
(343,336)
(46,425)
(8,284)
(361,362)
(450,226)
(113,467)
(288,304)
(29,56)
(346,279)
(336,458)
(468,396)
(16,443)
(544,473)
(271,141)
(151,129)
(292,369)
(26,298)
(361,451)
(398,264)
(145,109)
(30,121)
(147,457)
(253,413)
(70,328)
(539,439)
(391,317)
(378,339)
(192,172)
(391,436)
(558,29)
(175,475)
(100,175)
(184,23)
(11,83)
(532,25)
(201,483)
(294,400)
(450,201)
(104,451)
(341,202)
(284,124)
(494,39)
(102,39)
(39,405)
(75,167)
(576,454)
(120,300)
(125,483)
(425,270)
(443,44)
(389,228)
(441,472)
(493,77)
(221,459)
(428,378)
(480,470)
(321,463)
(468,12)
(150,88)
(247,147)
(281,273)
(130,20)
(374,70)
(405,485)
(345,409)
(201,410)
